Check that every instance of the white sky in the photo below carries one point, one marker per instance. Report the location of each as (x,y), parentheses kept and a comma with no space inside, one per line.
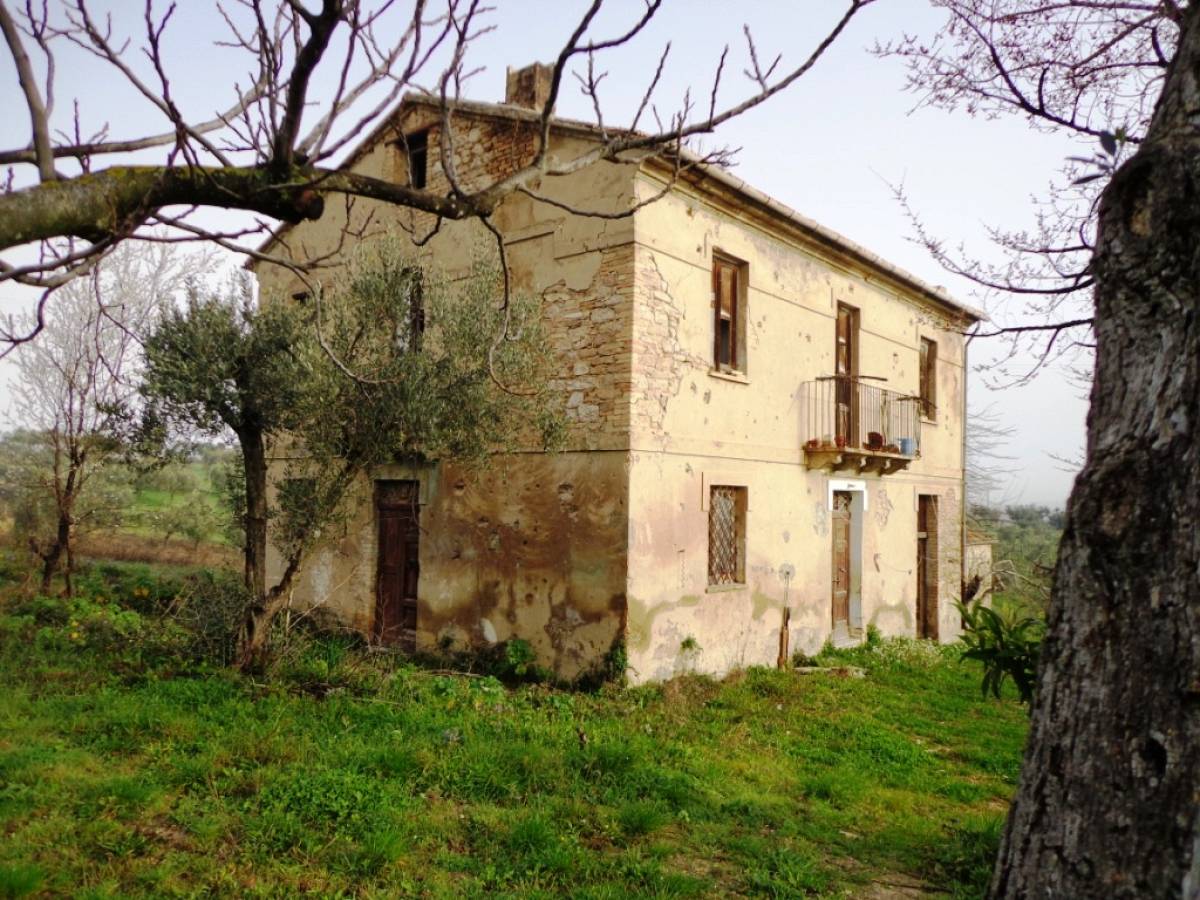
(830,147)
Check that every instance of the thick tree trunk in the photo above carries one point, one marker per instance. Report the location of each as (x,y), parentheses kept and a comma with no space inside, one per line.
(1109,799)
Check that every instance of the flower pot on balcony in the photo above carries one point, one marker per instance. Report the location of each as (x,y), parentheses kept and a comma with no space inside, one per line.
(874,440)
(812,444)
(840,440)
(908,447)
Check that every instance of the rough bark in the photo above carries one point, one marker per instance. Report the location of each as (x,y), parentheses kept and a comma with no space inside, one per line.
(254,461)
(1108,803)
(99,204)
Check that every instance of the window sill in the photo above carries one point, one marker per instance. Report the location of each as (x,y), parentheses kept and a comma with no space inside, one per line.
(925,420)
(738,377)
(723,588)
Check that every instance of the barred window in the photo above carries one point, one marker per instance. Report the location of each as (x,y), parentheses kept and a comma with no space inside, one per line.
(726,535)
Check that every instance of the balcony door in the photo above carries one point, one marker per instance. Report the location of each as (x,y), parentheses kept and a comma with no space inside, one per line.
(845,356)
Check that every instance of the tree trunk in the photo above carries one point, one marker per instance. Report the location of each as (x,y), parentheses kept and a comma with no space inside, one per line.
(253,637)
(50,562)
(51,558)
(1108,802)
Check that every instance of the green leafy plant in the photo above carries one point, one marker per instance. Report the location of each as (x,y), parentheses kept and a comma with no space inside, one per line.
(1007,645)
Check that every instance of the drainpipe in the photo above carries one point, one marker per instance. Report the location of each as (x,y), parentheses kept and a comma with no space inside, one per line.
(962,515)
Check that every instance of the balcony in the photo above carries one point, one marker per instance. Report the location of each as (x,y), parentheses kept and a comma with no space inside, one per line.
(853,425)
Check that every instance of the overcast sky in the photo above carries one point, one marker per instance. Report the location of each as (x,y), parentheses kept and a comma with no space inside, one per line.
(831,147)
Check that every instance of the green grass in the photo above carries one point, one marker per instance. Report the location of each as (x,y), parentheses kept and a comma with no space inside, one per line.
(126,772)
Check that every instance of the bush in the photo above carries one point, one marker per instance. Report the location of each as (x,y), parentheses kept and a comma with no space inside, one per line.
(1007,645)
(210,606)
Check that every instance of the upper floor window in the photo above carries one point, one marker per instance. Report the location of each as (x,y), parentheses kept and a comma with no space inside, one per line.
(729,308)
(417,146)
(928,379)
(726,535)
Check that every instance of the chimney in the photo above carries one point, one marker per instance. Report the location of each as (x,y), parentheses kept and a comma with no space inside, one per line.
(528,87)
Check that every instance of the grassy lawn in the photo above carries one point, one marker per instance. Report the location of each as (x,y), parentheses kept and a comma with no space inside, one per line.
(125,771)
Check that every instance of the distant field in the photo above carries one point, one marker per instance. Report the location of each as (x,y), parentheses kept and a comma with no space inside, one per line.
(195,495)
(125,772)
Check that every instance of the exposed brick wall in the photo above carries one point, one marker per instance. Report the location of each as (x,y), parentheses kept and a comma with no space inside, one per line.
(590,331)
(590,327)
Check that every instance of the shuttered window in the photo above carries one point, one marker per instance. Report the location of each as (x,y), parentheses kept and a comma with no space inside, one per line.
(729,342)
(928,378)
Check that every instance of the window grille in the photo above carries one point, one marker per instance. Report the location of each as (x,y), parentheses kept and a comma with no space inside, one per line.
(726,535)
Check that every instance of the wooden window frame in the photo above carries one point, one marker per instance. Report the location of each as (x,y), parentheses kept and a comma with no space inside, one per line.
(416,158)
(736,314)
(927,378)
(723,577)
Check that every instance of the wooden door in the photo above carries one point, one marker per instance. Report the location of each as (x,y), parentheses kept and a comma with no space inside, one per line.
(927,567)
(841,557)
(399,563)
(846,368)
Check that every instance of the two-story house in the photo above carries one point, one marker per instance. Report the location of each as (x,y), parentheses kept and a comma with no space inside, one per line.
(766,442)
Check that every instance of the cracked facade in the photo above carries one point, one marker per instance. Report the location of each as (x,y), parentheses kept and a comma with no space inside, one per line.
(608,542)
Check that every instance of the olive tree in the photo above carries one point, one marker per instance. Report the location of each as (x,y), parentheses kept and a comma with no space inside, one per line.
(393,363)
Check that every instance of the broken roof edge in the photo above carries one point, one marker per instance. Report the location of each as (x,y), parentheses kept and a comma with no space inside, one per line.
(822,233)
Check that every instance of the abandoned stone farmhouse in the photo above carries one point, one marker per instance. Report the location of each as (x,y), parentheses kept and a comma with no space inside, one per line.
(766,427)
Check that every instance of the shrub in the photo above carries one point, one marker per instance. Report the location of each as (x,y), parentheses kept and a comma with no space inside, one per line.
(1007,645)
(210,606)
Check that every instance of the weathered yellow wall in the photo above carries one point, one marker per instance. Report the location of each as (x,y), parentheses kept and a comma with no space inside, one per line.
(572,550)
(692,429)
(531,547)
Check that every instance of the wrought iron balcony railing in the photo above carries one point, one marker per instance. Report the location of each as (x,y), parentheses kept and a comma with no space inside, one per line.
(846,416)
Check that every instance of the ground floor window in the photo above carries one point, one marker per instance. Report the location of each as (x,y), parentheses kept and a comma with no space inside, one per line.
(726,535)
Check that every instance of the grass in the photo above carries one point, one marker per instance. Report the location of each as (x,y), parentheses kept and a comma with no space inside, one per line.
(128,769)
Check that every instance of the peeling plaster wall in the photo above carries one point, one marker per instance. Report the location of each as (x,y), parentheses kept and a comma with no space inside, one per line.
(532,547)
(692,428)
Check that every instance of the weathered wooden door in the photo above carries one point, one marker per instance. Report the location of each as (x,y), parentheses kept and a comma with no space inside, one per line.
(841,557)
(399,567)
(927,567)
(846,368)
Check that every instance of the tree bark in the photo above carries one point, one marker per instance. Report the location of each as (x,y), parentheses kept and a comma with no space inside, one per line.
(97,204)
(1109,798)
(254,461)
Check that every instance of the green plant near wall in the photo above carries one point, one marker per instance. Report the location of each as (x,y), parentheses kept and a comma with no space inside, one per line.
(1008,646)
